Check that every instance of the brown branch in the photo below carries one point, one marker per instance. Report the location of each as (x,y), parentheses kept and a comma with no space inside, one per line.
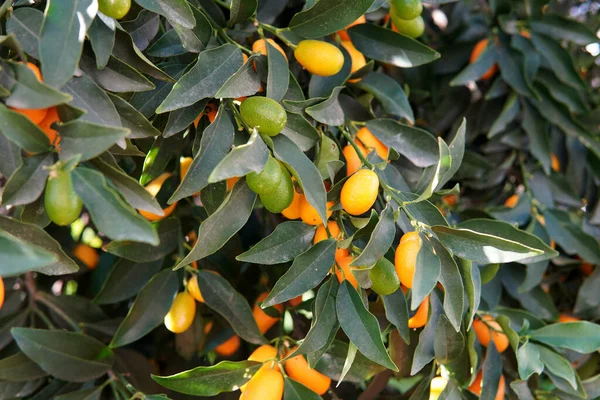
(377,385)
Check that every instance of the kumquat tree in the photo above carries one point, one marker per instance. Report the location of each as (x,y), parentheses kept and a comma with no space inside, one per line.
(300,199)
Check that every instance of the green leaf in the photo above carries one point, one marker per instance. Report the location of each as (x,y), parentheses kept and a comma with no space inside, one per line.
(511,72)
(352,351)
(528,358)
(20,23)
(116,76)
(454,290)
(559,60)
(133,120)
(19,368)
(88,96)
(249,157)
(448,343)
(300,131)
(328,16)
(61,38)
(221,297)
(216,143)
(244,82)
(472,282)
(27,183)
(288,240)
(102,39)
(70,356)
(83,394)
(380,241)
(558,365)
(110,213)
(33,235)
(125,279)
(168,45)
(181,119)
(328,112)
(225,376)
(389,93)
(149,308)
(566,95)
(334,359)
(490,241)
(176,11)
(419,146)
(11,156)
(396,311)
(425,351)
(561,28)
(127,52)
(18,257)
(229,218)
(427,271)
(587,297)
(329,154)
(536,128)
(278,78)
(294,390)
(477,69)
(581,336)
(21,131)
(305,172)
(29,93)
(306,272)
(387,46)
(509,113)
(241,10)
(433,175)
(196,39)
(491,372)
(571,237)
(87,139)
(205,78)
(361,326)
(168,235)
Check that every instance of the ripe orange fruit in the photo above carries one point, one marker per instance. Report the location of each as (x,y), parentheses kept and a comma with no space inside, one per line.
(371,142)
(360,192)
(297,368)
(525,34)
(266,384)
(420,318)
(153,188)
(309,214)
(182,312)
(260,46)
(265,354)
(554,163)
(346,273)
(358,59)
(35,115)
(228,347)
(567,318)
(45,125)
(194,289)
(450,200)
(406,257)
(294,210)
(477,50)
(319,58)
(296,301)
(87,255)
(1,292)
(264,320)
(512,201)
(487,329)
(184,166)
(342,32)
(321,233)
(231,181)
(210,111)
(353,162)
(476,386)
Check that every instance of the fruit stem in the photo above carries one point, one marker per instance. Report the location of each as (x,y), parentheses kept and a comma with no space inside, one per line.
(356,149)
(238,116)
(222,4)
(275,31)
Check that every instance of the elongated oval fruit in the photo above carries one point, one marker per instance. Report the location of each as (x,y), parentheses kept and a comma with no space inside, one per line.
(297,368)
(63,205)
(266,384)
(476,53)
(406,257)
(182,312)
(264,114)
(360,192)
(488,330)
(319,58)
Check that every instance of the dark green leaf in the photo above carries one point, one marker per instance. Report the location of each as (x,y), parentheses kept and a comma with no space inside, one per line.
(29,93)
(225,376)
(328,16)
(93,393)
(18,257)
(88,96)
(558,365)
(361,326)
(244,82)
(528,358)
(571,237)
(217,229)
(116,76)
(278,78)
(450,278)
(433,175)
(168,235)
(127,52)
(333,361)
(491,372)
(510,71)
(294,390)
(536,128)
(306,272)
(389,93)
(380,241)
(477,69)
(102,39)
(21,131)
(396,311)
(561,28)
(168,45)
(581,336)
(87,139)
(133,120)
(328,112)
(176,11)
(587,297)
(182,118)
(509,113)
(425,350)
(20,24)
(288,240)
(11,156)
(125,279)
(19,368)
(241,10)
(69,356)
(300,131)
(448,343)
(249,157)
(28,181)
(559,59)
(149,308)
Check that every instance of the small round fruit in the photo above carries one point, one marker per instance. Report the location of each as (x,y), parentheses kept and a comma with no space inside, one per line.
(87,255)
(407,9)
(346,272)
(360,192)
(182,312)
(297,368)
(319,58)
(153,188)
(294,209)
(228,347)
(384,278)
(406,257)
(63,205)
(267,115)
(116,9)
(476,386)
(194,289)
(321,233)
(476,53)
(267,180)
(371,142)
(487,329)
(413,28)
(266,384)
(260,46)
(281,197)
(420,318)
(263,320)
(309,214)
(353,162)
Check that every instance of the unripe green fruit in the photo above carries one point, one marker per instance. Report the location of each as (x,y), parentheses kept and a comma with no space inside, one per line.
(384,278)
(407,9)
(267,115)
(116,9)
(63,205)
(280,198)
(266,180)
(412,28)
